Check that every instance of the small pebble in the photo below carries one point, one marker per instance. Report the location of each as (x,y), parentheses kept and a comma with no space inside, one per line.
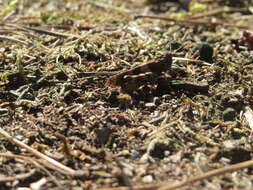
(150,105)
(134,154)
(102,135)
(147,179)
(167,153)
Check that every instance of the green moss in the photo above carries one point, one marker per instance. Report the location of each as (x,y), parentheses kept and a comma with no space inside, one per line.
(197,7)
(11,7)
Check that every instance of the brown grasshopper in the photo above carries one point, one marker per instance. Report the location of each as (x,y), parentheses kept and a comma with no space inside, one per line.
(131,79)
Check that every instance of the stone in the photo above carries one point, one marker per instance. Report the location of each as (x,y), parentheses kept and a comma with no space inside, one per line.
(229,114)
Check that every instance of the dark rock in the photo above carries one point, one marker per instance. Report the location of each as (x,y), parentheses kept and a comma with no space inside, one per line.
(103,135)
(229,114)
(205,52)
(112,97)
(173,45)
(185,4)
(71,95)
(156,149)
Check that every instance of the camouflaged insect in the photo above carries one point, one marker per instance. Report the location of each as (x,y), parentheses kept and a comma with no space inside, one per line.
(131,79)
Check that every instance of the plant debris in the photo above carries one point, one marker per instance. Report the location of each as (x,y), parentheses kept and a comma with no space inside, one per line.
(179,114)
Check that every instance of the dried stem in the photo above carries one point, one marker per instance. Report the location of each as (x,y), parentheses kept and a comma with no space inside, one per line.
(61,167)
(13,40)
(191,21)
(38,163)
(17,176)
(51,33)
(219,11)
(169,186)
(209,174)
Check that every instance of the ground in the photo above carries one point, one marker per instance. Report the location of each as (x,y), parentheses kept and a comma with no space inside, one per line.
(55,61)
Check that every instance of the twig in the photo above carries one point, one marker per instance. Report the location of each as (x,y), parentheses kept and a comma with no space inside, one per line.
(168,186)
(66,147)
(219,11)
(38,184)
(19,157)
(7,31)
(67,27)
(47,32)
(209,174)
(40,30)
(191,60)
(37,163)
(125,178)
(64,169)
(17,176)
(6,17)
(191,21)
(13,40)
